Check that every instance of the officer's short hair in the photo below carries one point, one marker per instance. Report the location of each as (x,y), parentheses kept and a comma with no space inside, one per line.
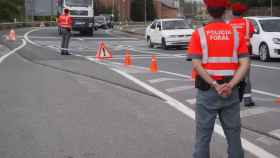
(66,11)
(216,12)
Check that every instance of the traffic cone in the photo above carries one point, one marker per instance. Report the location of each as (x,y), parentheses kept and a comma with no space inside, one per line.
(153,66)
(12,35)
(127,58)
(277,101)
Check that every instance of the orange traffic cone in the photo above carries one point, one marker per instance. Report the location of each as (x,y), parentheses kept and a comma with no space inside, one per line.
(153,66)
(12,35)
(127,58)
(277,101)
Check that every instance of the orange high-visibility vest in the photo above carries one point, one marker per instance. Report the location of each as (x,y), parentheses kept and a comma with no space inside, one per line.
(242,26)
(216,62)
(65,21)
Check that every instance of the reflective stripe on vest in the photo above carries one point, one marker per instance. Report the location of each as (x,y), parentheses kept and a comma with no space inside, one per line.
(206,60)
(247,27)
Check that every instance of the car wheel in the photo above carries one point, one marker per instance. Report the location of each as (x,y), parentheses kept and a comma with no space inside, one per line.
(264,53)
(90,32)
(150,44)
(163,44)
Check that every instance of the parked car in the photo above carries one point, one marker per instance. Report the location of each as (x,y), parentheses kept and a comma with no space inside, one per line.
(103,22)
(168,32)
(266,38)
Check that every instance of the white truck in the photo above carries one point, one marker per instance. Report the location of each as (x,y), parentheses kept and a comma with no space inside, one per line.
(82,12)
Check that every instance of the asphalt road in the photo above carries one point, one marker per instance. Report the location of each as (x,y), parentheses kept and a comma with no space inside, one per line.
(78,107)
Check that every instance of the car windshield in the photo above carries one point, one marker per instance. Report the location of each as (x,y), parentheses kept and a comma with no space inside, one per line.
(78,3)
(175,24)
(99,18)
(270,25)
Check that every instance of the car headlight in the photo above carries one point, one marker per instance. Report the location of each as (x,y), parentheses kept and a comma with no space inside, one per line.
(276,40)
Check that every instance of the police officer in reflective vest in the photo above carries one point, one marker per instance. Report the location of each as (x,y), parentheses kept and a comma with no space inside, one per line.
(221,59)
(65,23)
(246,28)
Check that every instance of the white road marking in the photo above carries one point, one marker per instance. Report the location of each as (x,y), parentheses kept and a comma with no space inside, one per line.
(158,57)
(85,38)
(256,111)
(191,101)
(2,58)
(267,141)
(275,133)
(166,72)
(179,89)
(266,93)
(266,67)
(159,80)
(189,77)
(248,146)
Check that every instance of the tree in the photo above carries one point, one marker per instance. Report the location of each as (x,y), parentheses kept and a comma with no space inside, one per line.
(138,10)
(10,9)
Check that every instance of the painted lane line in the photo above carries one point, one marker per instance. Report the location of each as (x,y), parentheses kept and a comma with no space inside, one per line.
(160,80)
(266,67)
(248,146)
(23,44)
(94,38)
(275,133)
(189,77)
(191,101)
(158,57)
(266,93)
(256,111)
(267,141)
(179,89)
(28,40)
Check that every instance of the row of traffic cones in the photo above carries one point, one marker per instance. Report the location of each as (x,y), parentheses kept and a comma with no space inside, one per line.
(153,65)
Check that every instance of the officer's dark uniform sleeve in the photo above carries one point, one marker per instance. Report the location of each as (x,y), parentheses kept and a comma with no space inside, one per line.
(194,50)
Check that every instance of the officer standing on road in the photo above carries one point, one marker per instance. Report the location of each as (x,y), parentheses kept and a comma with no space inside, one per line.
(65,23)
(246,28)
(221,59)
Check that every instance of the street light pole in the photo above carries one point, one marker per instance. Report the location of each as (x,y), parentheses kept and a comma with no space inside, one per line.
(113,7)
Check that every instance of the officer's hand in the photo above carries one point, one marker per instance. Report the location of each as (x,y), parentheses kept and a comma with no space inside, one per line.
(227,90)
(220,88)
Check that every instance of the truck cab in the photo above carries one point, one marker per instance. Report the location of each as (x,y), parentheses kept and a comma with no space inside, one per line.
(82,13)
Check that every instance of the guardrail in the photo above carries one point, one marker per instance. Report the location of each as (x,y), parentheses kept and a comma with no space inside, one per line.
(4,26)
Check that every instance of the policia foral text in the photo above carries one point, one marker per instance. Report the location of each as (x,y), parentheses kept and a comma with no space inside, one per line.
(221,59)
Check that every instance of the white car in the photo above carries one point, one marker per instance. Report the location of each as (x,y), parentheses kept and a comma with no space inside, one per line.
(168,32)
(266,38)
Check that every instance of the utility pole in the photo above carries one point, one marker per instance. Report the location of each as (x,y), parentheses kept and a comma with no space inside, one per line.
(179,8)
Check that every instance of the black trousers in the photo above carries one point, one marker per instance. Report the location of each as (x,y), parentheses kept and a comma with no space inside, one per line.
(66,34)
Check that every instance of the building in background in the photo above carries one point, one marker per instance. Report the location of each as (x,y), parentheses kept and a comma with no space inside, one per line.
(122,8)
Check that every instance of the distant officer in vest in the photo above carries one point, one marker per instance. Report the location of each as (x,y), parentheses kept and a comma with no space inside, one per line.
(221,59)
(246,28)
(65,23)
